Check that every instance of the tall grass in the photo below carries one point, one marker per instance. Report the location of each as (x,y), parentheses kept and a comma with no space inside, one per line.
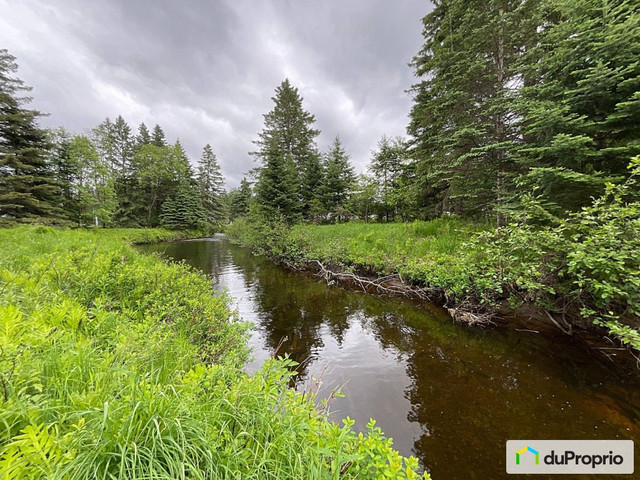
(434,253)
(114,365)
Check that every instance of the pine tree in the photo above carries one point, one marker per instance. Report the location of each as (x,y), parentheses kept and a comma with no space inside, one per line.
(210,183)
(183,209)
(339,178)
(289,128)
(158,138)
(277,189)
(581,106)
(28,189)
(463,119)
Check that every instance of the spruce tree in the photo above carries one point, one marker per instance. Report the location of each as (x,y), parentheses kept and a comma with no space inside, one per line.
(210,183)
(158,138)
(277,189)
(143,137)
(183,209)
(28,189)
(289,128)
(124,147)
(339,179)
(463,119)
(580,107)
(240,199)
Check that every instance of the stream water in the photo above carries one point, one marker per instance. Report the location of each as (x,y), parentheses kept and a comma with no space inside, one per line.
(449,394)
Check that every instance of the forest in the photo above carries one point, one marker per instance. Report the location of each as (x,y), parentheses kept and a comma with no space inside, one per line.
(516,188)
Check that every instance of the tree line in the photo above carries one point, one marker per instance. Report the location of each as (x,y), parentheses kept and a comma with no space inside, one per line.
(109,176)
(514,98)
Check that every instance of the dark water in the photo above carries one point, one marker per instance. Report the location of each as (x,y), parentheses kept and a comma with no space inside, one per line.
(448,394)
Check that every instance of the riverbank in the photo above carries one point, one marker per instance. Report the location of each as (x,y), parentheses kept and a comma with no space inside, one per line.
(478,273)
(114,364)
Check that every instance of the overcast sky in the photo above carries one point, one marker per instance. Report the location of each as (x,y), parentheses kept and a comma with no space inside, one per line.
(206,70)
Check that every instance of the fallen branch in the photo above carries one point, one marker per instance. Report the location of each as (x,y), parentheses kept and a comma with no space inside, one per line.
(394,285)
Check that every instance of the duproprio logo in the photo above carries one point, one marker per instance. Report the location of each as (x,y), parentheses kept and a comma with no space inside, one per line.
(527,449)
(569,456)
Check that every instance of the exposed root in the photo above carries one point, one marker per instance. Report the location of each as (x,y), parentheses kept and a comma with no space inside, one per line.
(394,285)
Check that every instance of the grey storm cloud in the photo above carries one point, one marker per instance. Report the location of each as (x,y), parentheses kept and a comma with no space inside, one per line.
(205,70)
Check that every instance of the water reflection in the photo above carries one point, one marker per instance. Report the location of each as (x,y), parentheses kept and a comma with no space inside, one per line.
(448,394)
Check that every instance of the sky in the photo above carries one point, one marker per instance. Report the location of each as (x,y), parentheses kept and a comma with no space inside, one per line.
(205,70)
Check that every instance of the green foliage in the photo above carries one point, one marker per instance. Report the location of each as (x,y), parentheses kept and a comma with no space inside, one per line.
(426,253)
(462,122)
(339,180)
(87,182)
(184,209)
(582,270)
(578,108)
(288,152)
(585,266)
(28,188)
(239,199)
(116,365)
(546,90)
(210,184)
(277,189)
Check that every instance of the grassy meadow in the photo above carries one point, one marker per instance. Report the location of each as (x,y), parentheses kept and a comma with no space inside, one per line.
(116,365)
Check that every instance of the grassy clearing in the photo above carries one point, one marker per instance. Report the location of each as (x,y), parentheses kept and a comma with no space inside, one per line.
(115,365)
(433,253)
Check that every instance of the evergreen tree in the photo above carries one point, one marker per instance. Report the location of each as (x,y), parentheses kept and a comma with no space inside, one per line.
(387,165)
(158,138)
(311,182)
(123,146)
(289,128)
(339,178)
(463,119)
(581,105)
(277,189)
(210,183)
(65,169)
(159,171)
(182,154)
(240,199)
(28,189)
(143,137)
(183,209)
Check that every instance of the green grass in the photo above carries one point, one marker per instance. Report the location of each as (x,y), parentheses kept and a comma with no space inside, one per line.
(434,253)
(115,365)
